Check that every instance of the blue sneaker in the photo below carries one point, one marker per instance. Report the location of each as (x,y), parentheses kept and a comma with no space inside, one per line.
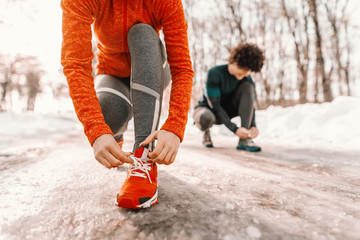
(248,145)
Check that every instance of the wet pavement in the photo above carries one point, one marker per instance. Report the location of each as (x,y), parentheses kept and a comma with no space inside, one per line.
(60,192)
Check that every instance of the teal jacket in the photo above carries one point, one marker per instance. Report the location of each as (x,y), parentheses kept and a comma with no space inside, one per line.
(220,85)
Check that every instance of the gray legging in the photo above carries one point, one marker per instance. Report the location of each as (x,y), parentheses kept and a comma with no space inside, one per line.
(139,95)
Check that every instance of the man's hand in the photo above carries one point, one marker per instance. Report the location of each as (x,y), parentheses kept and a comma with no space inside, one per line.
(242,133)
(166,148)
(253,132)
(108,152)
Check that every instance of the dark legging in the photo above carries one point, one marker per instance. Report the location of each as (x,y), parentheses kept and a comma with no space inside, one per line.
(140,95)
(240,104)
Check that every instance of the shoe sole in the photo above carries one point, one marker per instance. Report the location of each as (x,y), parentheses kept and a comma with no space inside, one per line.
(152,201)
(129,203)
(249,149)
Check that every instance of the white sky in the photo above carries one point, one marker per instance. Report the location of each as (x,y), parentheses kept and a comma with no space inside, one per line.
(34,32)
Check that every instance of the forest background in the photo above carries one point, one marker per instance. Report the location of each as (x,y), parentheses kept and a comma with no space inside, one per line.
(310,46)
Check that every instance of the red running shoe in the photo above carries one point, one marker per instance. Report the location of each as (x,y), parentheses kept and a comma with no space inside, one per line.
(140,187)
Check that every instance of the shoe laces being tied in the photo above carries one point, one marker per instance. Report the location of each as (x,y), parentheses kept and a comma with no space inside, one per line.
(140,167)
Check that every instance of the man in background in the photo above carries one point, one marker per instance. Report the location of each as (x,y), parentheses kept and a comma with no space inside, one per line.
(230,92)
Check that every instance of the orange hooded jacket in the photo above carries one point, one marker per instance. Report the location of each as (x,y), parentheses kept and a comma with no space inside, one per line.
(111,21)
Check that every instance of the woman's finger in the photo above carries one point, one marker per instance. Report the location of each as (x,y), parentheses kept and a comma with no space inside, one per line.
(158,149)
(103,162)
(149,139)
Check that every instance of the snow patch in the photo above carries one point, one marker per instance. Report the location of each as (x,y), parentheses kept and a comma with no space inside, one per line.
(332,125)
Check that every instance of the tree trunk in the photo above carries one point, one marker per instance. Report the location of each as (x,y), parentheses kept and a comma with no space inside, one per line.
(336,23)
(4,86)
(31,100)
(320,63)
(33,82)
(347,65)
(235,10)
(3,96)
(301,56)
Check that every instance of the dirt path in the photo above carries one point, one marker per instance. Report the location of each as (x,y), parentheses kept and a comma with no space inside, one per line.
(62,193)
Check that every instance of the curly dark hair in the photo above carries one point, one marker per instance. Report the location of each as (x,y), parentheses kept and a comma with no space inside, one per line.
(248,56)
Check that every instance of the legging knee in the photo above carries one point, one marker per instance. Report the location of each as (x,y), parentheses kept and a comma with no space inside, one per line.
(116,111)
(205,121)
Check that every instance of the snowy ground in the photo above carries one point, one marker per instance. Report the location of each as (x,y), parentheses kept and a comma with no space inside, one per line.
(305,184)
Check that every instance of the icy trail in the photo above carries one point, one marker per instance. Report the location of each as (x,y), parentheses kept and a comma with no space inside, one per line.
(59,191)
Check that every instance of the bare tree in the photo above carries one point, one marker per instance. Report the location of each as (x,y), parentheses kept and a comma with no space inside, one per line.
(261,15)
(5,84)
(232,20)
(348,48)
(320,62)
(14,68)
(307,44)
(236,22)
(336,15)
(31,69)
(10,67)
(33,84)
(281,72)
(298,26)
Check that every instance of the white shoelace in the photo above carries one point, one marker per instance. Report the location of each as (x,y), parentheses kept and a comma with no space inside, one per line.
(144,165)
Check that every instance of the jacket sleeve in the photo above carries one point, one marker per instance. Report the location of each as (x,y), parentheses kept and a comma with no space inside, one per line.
(221,115)
(172,19)
(76,58)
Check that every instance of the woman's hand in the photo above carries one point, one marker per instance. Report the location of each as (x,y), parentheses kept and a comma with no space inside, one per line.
(108,152)
(166,148)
